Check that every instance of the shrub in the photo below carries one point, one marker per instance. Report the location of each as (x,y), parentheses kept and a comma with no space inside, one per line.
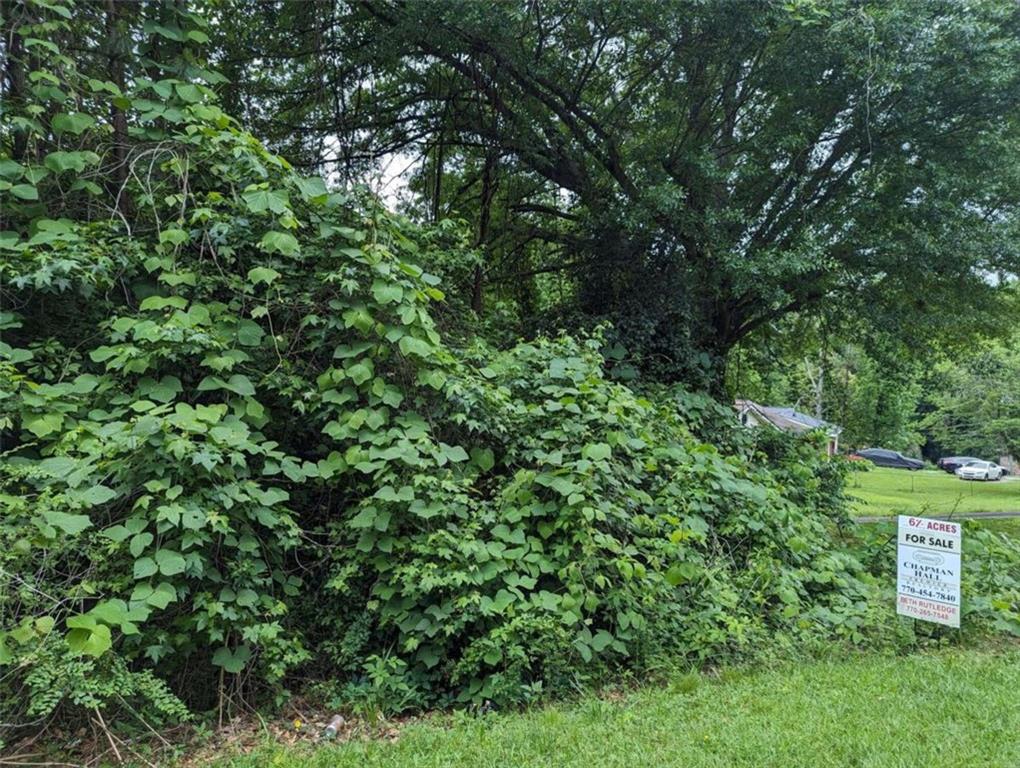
(174,384)
(581,527)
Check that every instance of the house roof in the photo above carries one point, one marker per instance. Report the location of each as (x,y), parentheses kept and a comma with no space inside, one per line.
(787,419)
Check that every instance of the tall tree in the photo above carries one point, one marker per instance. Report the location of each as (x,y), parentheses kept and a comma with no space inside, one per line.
(694,170)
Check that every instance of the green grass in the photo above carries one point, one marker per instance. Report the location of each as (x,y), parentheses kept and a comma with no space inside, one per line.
(897,491)
(949,709)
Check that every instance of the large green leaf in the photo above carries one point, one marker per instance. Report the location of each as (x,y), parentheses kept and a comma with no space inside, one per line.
(313,188)
(144,567)
(188,92)
(72,122)
(232,661)
(483,458)
(44,424)
(25,191)
(279,242)
(162,391)
(88,636)
(453,452)
(117,613)
(597,451)
(70,161)
(237,383)
(262,275)
(261,200)
(249,333)
(139,542)
(386,292)
(159,596)
(170,562)
(97,494)
(10,169)
(71,524)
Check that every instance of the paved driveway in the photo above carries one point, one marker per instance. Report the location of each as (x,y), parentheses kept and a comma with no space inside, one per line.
(950,516)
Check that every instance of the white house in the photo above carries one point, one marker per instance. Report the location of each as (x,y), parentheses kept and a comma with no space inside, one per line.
(752,414)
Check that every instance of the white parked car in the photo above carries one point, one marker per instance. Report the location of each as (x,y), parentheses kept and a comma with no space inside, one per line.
(980,470)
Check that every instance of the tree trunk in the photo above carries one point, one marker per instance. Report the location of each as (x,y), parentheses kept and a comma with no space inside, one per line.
(117,117)
(15,72)
(437,184)
(484,218)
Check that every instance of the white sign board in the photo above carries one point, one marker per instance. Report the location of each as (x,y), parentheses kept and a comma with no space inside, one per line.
(928,569)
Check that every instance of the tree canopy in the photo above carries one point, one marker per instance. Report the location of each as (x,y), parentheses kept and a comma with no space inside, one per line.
(691,172)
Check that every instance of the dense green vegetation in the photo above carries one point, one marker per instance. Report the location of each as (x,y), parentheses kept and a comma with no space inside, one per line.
(949,708)
(972,406)
(694,172)
(1009,526)
(875,396)
(958,402)
(894,491)
(257,437)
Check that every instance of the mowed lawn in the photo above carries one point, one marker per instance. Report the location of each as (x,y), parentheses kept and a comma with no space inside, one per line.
(896,491)
(955,708)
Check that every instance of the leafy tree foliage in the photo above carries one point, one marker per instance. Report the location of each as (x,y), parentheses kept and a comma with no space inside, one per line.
(874,397)
(692,171)
(972,405)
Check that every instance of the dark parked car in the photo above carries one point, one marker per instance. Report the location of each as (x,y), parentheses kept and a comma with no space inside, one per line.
(881,457)
(952,463)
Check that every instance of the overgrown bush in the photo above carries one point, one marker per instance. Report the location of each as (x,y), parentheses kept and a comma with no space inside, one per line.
(581,527)
(178,372)
(811,483)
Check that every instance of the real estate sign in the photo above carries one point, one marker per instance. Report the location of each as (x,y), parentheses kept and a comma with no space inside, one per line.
(928,569)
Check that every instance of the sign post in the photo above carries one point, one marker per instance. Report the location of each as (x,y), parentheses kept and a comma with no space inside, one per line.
(928,569)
